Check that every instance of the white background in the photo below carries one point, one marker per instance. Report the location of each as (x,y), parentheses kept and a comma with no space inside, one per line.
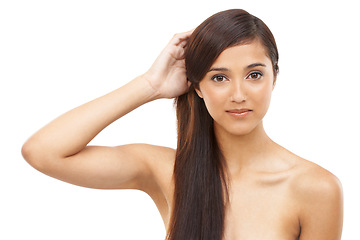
(56,55)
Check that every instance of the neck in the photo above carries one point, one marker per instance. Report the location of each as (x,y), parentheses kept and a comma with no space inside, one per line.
(244,151)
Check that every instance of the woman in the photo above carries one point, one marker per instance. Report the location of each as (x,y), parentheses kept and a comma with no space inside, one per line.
(227,179)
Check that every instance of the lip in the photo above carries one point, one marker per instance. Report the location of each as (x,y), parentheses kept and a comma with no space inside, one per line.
(239,113)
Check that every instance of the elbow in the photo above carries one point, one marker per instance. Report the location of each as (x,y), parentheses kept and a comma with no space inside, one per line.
(33,155)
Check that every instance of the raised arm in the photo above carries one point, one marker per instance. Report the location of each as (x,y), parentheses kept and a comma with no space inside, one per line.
(60,148)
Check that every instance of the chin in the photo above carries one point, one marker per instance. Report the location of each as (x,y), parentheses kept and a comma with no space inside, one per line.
(236,129)
(241,131)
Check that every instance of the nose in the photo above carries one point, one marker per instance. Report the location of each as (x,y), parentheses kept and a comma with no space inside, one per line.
(238,92)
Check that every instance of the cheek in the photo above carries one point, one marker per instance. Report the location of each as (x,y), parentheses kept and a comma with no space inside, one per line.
(214,101)
(262,97)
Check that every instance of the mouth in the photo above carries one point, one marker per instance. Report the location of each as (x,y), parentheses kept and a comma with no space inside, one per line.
(239,113)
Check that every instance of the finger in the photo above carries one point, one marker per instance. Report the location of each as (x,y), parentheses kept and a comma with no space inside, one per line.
(182,44)
(180,37)
(188,33)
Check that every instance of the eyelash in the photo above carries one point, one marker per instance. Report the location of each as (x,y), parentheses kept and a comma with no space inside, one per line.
(215,77)
(259,74)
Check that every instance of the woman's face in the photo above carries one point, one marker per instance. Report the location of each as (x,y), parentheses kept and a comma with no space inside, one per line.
(237,88)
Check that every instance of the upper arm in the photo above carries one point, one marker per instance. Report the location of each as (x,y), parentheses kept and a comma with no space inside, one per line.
(321,215)
(123,167)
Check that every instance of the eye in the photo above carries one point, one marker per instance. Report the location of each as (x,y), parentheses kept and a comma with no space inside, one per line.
(255,75)
(219,78)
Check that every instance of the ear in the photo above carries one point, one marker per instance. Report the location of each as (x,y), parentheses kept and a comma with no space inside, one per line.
(274,83)
(276,72)
(198,91)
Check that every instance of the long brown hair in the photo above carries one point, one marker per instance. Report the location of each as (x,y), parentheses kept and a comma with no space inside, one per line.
(200,175)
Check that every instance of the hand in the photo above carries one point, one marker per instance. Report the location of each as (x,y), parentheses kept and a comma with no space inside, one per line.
(167,75)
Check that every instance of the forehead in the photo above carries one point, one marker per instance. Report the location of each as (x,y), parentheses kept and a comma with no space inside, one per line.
(243,55)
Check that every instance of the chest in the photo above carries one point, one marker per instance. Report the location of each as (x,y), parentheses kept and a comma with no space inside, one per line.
(261,210)
(261,207)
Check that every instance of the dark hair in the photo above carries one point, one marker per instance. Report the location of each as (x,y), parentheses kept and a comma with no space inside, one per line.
(200,174)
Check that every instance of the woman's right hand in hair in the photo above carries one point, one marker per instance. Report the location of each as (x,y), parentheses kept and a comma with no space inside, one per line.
(167,75)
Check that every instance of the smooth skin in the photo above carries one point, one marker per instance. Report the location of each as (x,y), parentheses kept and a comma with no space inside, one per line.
(274,194)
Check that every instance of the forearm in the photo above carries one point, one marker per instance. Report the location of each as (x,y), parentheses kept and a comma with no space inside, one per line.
(72,131)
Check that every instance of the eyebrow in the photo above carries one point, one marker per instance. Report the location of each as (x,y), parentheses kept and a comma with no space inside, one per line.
(219,69)
(256,65)
(248,67)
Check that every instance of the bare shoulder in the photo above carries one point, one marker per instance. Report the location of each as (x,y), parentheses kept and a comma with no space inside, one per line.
(154,155)
(313,181)
(306,177)
(159,159)
(319,200)
(150,151)
(156,158)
